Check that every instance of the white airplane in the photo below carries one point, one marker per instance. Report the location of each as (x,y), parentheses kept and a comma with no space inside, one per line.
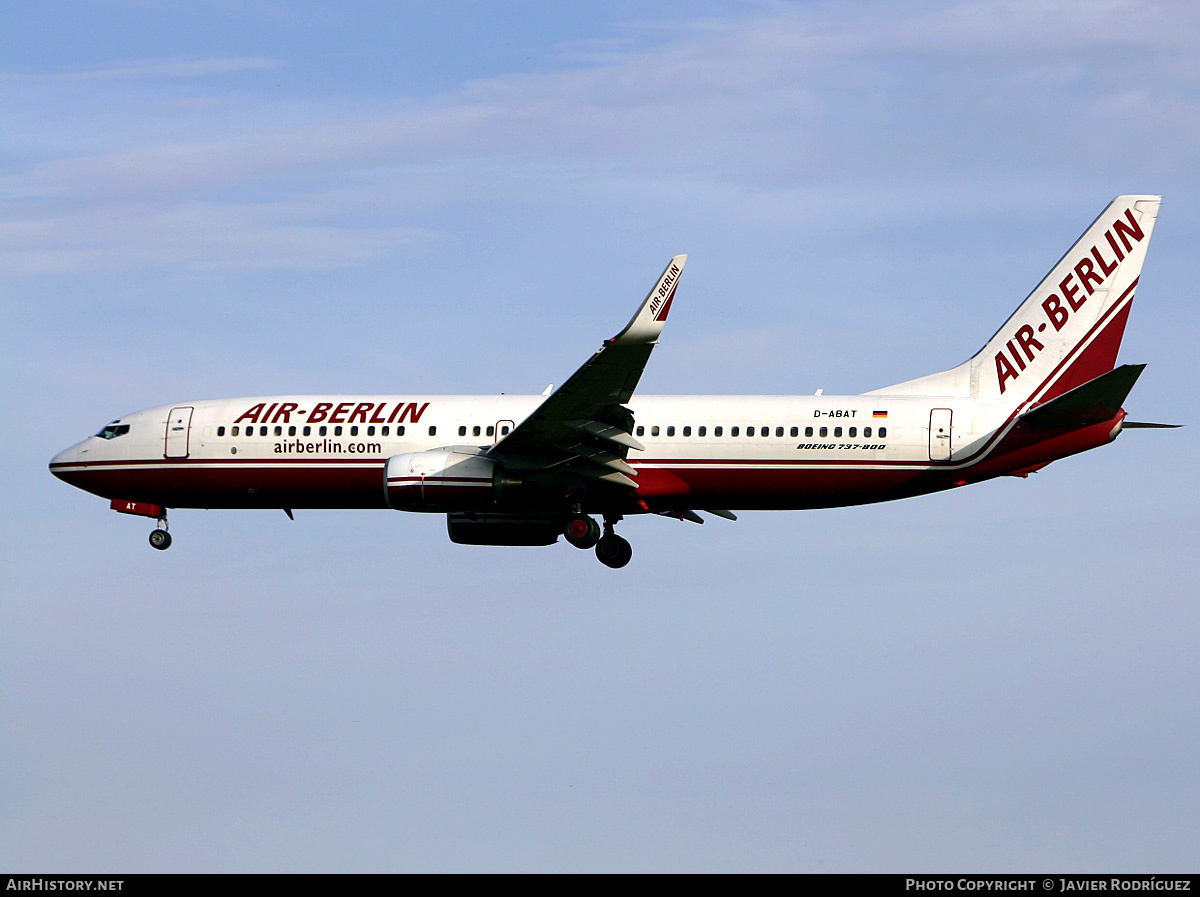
(523,470)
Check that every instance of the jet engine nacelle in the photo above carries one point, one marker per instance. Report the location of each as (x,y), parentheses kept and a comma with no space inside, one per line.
(440,480)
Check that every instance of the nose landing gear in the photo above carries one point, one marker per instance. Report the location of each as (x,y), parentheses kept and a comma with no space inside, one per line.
(160,538)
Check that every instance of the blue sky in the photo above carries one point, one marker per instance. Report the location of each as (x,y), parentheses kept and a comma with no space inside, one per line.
(253,198)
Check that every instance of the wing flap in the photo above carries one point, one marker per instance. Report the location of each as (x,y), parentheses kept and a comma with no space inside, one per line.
(606,433)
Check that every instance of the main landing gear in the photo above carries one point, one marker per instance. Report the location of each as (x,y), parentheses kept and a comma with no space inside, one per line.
(160,538)
(583,531)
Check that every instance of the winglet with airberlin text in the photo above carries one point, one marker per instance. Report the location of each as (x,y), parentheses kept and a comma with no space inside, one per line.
(648,323)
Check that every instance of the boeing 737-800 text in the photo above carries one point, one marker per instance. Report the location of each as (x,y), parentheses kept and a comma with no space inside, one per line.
(524,470)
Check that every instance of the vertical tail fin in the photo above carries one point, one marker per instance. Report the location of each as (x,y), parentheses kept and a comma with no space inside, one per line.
(1068,330)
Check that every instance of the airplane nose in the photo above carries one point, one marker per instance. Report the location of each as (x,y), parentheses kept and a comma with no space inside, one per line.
(65,457)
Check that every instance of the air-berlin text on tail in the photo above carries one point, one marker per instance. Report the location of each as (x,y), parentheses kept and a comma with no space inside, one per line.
(335,413)
(1088,273)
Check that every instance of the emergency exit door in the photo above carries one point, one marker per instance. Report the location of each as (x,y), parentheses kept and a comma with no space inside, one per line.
(939,434)
(179,426)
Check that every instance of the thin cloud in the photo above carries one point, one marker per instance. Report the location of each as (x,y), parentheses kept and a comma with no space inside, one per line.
(170,67)
(196,236)
(762,112)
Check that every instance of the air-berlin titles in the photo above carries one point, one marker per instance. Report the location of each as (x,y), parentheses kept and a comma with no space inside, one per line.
(339,413)
(661,303)
(1088,274)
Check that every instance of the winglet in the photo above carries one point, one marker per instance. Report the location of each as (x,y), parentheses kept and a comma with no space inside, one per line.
(648,323)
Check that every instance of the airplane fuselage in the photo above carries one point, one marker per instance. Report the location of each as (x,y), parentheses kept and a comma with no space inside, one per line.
(737,452)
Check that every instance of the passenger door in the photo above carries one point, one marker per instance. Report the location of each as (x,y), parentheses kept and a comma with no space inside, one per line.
(939,434)
(179,426)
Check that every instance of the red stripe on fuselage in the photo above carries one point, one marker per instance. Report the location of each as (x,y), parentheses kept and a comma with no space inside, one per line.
(715,483)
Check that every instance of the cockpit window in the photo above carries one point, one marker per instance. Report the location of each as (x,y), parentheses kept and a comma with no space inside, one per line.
(113,430)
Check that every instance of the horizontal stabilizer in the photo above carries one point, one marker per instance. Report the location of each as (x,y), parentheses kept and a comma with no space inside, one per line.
(1140,425)
(1094,402)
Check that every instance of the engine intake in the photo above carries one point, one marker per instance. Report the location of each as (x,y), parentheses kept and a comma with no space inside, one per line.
(440,480)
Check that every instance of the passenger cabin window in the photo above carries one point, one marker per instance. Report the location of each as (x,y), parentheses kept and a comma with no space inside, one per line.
(323,431)
(718,431)
(733,431)
(279,431)
(307,430)
(337,431)
(504,430)
(702,431)
(262,431)
(654,431)
(220,431)
(354,431)
(687,431)
(475,431)
(399,431)
(641,431)
(385,430)
(670,431)
(462,431)
(882,432)
(370,431)
(233,431)
(824,431)
(867,432)
(491,431)
(779,431)
(749,431)
(853,432)
(433,431)
(808,431)
(837,431)
(291,431)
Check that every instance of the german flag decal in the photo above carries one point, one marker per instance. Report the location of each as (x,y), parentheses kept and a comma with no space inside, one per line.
(878,414)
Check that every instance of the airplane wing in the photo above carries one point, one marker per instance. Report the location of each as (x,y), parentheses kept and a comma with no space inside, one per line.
(583,426)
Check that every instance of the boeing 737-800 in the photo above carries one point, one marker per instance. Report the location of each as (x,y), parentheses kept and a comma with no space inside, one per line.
(524,470)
